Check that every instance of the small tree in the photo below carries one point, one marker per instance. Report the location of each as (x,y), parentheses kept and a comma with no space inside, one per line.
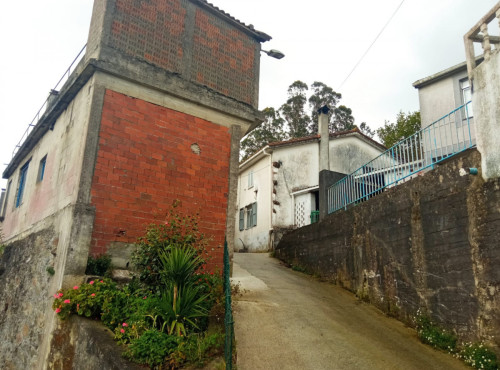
(272,129)
(406,125)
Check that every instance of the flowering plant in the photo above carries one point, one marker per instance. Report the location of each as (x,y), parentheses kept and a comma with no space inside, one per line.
(85,300)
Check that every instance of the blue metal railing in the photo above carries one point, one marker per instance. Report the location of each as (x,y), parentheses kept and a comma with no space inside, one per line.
(40,112)
(443,138)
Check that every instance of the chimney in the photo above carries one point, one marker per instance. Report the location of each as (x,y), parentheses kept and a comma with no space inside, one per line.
(324,152)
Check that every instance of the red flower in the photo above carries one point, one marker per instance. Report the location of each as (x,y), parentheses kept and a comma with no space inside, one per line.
(122,331)
(67,301)
(58,310)
(92,295)
(75,287)
(125,324)
(92,282)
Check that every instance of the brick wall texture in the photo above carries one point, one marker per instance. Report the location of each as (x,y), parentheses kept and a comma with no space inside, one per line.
(145,162)
(185,39)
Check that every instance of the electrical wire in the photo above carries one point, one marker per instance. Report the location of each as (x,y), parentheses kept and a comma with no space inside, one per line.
(369,47)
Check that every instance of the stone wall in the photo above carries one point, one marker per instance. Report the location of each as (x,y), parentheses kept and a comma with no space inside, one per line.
(431,243)
(80,343)
(25,290)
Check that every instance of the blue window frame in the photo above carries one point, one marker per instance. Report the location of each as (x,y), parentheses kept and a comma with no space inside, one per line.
(22,183)
(41,169)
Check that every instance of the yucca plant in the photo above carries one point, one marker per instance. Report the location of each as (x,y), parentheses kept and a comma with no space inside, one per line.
(179,266)
(186,309)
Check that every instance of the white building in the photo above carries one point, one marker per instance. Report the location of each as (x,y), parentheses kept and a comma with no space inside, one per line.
(443,99)
(278,187)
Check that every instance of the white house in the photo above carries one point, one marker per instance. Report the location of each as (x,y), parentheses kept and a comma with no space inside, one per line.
(278,187)
(446,97)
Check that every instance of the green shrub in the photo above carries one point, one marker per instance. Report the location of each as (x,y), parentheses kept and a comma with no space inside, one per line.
(178,231)
(98,265)
(85,300)
(479,356)
(161,316)
(152,347)
(197,349)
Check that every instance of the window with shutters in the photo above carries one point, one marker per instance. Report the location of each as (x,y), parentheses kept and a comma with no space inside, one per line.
(250,179)
(242,219)
(251,215)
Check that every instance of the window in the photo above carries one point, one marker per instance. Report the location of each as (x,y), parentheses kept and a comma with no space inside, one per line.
(251,211)
(41,169)
(249,217)
(250,179)
(22,182)
(466,96)
(242,218)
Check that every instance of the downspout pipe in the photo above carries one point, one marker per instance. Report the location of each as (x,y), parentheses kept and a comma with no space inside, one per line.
(270,193)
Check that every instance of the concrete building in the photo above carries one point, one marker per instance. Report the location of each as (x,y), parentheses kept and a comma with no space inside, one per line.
(442,92)
(278,187)
(446,97)
(153,112)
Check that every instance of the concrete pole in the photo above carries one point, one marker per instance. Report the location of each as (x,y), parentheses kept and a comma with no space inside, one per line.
(324,152)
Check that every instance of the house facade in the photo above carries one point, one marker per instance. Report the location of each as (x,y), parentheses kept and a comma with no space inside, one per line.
(278,187)
(152,114)
(446,97)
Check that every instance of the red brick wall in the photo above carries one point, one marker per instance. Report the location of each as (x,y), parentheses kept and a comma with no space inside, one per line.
(220,55)
(145,162)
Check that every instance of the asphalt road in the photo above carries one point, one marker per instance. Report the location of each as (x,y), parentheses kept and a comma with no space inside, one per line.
(288,320)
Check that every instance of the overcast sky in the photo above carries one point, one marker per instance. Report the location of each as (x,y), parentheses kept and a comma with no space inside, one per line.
(322,41)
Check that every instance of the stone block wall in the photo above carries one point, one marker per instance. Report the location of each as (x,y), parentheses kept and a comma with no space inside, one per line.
(25,290)
(150,156)
(431,243)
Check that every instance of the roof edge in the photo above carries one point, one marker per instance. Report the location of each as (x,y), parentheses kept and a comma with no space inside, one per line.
(443,74)
(249,29)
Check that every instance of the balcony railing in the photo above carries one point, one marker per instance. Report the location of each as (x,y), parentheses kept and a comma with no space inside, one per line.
(445,137)
(479,33)
(53,92)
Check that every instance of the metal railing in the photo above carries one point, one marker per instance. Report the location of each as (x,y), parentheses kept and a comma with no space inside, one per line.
(40,112)
(228,316)
(445,137)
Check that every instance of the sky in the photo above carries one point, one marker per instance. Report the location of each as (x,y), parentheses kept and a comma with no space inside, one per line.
(322,41)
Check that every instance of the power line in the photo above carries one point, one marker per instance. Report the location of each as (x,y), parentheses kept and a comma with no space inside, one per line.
(369,47)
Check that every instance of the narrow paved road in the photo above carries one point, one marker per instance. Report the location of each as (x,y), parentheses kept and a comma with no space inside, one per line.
(288,320)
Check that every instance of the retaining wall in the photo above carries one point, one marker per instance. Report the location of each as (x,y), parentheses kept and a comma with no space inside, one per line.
(432,243)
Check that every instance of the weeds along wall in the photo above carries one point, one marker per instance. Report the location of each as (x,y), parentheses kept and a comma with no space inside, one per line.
(431,243)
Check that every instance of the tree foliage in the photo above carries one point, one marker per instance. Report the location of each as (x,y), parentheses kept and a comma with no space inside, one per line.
(298,117)
(406,125)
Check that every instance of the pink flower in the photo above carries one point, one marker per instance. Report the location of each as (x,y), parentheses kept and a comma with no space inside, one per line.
(56,295)
(144,297)
(122,331)
(101,281)
(125,324)
(92,282)
(75,287)
(67,301)
(60,295)
(92,295)
(78,306)
(58,310)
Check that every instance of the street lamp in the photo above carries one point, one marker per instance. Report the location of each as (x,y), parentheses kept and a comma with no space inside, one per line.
(273,53)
